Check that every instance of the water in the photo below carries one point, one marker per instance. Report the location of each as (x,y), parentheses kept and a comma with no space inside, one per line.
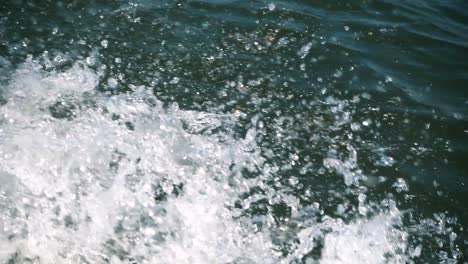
(233,131)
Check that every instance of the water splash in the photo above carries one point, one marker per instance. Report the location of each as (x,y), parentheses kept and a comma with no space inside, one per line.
(117,179)
(94,178)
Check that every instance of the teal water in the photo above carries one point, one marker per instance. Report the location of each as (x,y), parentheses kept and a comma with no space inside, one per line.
(222,131)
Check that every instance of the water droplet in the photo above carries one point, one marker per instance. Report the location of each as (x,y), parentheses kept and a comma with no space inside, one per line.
(386,161)
(400,185)
(416,252)
(175,80)
(104,43)
(293,181)
(112,83)
(271,6)
(355,126)
(367,122)
(90,61)
(338,74)
(362,197)
(304,51)
(340,209)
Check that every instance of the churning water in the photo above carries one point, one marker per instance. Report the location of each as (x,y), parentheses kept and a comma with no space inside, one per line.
(145,132)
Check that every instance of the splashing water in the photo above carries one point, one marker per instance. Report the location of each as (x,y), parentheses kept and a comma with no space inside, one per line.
(92,187)
(91,178)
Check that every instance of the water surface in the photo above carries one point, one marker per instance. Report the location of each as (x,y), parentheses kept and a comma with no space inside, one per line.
(233,131)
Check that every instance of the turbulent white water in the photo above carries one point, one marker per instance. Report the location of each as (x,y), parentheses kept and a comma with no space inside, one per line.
(122,179)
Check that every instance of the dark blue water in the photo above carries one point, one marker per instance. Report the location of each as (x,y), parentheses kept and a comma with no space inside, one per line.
(224,131)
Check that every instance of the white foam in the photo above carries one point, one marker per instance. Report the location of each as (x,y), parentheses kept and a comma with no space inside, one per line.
(369,241)
(82,189)
(73,205)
